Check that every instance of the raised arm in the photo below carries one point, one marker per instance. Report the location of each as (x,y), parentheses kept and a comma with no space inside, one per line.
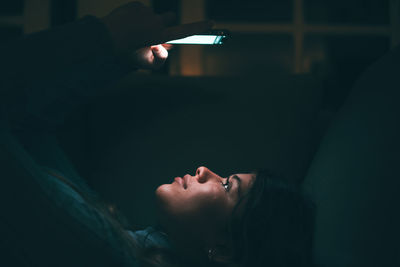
(59,68)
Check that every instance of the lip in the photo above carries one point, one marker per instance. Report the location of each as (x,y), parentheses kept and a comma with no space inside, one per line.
(179,180)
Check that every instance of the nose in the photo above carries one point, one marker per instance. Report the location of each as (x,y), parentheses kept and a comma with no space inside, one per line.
(204,175)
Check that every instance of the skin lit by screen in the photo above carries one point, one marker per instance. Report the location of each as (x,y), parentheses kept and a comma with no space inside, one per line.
(199,39)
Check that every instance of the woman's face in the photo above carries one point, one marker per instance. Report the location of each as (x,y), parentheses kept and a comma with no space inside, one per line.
(200,206)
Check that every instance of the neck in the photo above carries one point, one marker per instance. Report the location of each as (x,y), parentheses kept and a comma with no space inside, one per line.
(188,247)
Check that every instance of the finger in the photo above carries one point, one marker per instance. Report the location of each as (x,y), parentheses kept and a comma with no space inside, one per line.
(160,56)
(168,18)
(184,30)
(159,52)
(168,46)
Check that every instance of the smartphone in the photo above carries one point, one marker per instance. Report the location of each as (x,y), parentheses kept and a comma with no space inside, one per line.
(213,37)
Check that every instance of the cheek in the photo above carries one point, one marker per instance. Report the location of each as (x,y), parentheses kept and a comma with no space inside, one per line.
(207,201)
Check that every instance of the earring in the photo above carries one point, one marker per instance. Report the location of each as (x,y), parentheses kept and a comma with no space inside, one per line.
(211,254)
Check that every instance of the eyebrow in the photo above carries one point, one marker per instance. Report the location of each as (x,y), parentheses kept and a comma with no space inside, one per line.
(239,182)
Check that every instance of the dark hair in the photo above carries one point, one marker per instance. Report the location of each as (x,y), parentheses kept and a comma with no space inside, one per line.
(130,251)
(276,228)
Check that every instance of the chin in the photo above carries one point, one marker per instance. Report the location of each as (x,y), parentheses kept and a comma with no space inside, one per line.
(163,193)
(160,191)
(167,199)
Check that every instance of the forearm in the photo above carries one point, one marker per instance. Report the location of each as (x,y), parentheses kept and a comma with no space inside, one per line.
(50,70)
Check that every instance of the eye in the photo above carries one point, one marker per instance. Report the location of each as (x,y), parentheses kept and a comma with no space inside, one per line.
(227,185)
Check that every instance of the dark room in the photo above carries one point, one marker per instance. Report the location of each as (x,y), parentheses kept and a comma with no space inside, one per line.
(230,133)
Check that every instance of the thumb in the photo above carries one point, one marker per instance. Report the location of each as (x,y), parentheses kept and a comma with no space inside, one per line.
(160,56)
(159,52)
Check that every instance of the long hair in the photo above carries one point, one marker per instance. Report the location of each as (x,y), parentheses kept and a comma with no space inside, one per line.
(131,251)
(276,228)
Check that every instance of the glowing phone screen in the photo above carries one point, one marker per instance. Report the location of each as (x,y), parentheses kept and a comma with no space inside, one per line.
(199,39)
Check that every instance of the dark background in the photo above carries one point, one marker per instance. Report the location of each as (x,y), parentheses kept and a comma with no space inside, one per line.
(254,103)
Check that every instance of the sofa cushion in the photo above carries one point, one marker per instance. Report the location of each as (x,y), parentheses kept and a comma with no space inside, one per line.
(354,176)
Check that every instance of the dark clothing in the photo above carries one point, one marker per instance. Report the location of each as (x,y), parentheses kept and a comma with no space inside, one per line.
(43,77)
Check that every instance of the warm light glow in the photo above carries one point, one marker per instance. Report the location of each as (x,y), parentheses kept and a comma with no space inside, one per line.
(199,39)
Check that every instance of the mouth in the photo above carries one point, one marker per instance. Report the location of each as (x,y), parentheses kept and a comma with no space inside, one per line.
(185,180)
(181,181)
